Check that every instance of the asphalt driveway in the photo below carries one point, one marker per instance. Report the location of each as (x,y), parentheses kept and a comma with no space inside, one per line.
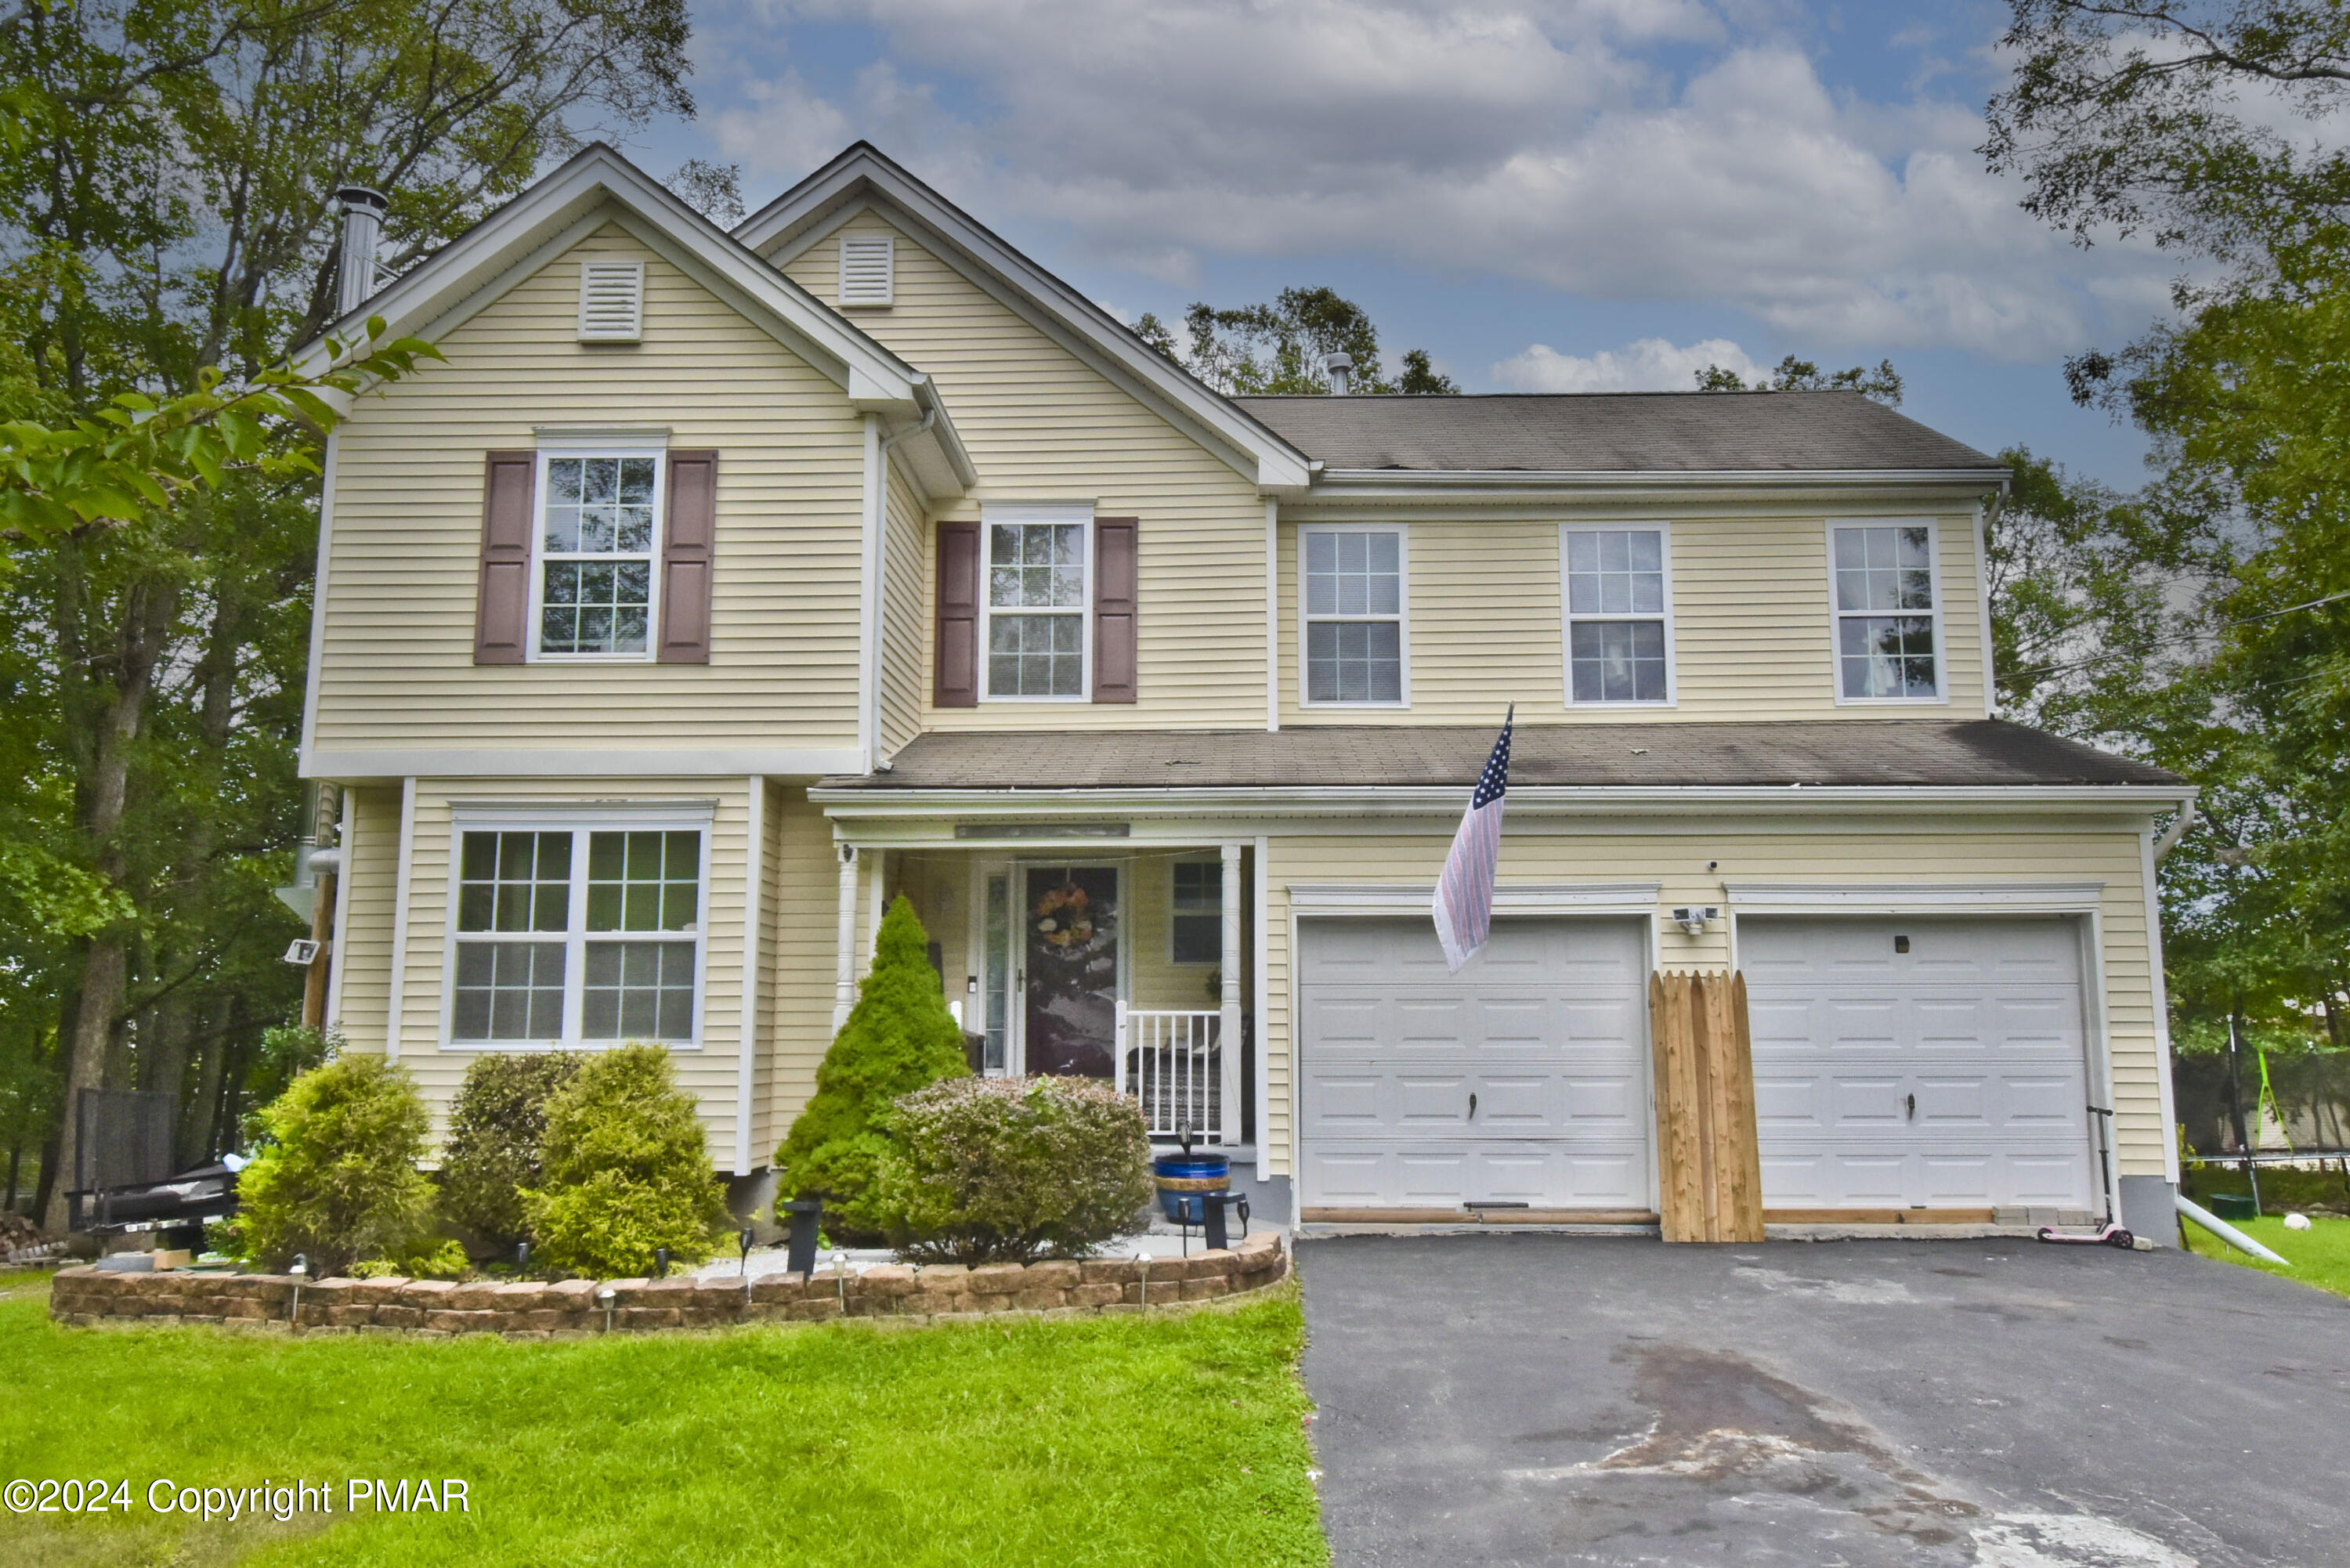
(1579,1399)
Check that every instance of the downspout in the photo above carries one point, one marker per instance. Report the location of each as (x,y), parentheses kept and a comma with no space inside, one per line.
(2175,832)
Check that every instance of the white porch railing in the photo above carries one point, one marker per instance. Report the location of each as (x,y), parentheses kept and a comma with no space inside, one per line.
(1175,1064)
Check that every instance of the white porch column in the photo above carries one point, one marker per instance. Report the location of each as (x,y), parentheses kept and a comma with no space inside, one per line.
(1228,1031)
(844,981)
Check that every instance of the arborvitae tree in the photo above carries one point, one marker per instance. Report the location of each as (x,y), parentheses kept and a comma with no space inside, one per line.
(625,1170)
(339,1182)
(898,1037)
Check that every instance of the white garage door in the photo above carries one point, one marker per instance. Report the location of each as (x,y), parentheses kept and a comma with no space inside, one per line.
(1523,1079)
(1904,1062)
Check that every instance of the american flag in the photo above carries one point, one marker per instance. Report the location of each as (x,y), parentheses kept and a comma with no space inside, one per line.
(1464,894)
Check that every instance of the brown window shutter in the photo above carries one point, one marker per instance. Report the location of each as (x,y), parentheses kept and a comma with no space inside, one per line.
(1114,577)
(502,619)
(954,679)
(690,534)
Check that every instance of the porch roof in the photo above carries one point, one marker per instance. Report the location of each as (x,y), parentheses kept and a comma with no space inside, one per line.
(1824,752)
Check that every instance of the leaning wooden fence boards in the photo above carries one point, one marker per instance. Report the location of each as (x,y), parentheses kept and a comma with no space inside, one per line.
(1709,1159)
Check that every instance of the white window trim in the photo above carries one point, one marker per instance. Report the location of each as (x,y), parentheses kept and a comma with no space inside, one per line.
(588,446)
(1216,913)
(1567,617)
(1017,516)
(588,818)
(1403,612)
(1941,696)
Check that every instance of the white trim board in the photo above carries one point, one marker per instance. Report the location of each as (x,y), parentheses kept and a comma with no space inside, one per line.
(1913,897)
(1521,898)
(526,762)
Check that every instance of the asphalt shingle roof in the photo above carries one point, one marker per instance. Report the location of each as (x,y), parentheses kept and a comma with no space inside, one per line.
(1851,752)
(1593,432)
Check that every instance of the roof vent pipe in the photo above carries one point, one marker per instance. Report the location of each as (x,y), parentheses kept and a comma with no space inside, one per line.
(362,214)
(1341,369)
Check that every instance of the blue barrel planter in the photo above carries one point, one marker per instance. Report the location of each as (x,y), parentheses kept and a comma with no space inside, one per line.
(1183,1178)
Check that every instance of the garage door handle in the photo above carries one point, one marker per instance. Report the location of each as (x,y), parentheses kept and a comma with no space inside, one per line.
(1910,1101)
(1472,1108)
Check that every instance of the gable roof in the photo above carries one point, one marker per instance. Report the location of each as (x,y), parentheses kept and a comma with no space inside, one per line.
(861,175)
(598,186)
(1615,433)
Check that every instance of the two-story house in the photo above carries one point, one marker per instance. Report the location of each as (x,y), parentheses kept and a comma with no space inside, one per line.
(721,586)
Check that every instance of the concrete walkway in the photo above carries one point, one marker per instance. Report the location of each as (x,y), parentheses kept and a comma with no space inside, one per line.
(1564,1399)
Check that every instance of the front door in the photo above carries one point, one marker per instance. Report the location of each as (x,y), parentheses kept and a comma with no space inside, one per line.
(1069,958)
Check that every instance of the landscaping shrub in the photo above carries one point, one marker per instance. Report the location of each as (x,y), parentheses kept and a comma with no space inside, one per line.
(496,1129)
(624,1171)
(338,1180)
(987,1170)
(898,1037)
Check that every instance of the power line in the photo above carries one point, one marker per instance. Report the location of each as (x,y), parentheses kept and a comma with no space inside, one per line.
(2182,637)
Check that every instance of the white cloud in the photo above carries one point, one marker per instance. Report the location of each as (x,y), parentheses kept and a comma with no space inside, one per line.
(1547,142)
(1649,365)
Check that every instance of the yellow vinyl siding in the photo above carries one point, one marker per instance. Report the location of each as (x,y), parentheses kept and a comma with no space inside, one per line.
(803,915)
(907,563)
(1894,853)
(397,666)
(1751,621)
(707,1071)
(1043,426)
(363,945)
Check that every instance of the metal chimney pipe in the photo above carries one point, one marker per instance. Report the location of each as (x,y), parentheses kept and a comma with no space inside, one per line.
(362,214)
(1341,369)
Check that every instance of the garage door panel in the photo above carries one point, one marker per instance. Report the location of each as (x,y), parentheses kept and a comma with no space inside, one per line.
(1981,1021)
(1547,1028)
(1865,1102)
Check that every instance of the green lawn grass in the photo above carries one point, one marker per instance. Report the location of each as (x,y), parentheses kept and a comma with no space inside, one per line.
(2320,1255)
(1105,1440)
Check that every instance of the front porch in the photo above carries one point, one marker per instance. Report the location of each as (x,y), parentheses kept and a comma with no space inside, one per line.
(1090,958)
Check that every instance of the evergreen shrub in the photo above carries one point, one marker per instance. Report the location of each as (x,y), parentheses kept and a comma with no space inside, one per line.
(987,1171)
(493,1153)
(337,1180)
(624,1169)
(898,1037)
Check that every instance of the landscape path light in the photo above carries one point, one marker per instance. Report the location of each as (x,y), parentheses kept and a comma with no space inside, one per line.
(605,1297)
(300,1271)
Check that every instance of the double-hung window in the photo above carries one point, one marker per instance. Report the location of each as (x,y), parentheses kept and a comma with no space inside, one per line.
(1618,615)
(600,524)
(1354,619)
(1888,612)
(569,936)
(1038,587)
(1196,922)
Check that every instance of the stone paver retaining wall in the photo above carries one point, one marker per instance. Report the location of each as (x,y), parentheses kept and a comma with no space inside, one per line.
(929,1293)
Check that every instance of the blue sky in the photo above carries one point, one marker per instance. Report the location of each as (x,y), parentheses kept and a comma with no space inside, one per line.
(1546,194)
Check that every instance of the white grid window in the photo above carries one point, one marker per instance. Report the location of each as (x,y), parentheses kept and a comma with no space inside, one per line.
(1038,592)
(599,528)
(1887,623)
(1618,625)
(1196,922)
(577,936)
(1354,619)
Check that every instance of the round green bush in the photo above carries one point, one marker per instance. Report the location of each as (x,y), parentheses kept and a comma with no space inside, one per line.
(986,1170)
(624,1171)
(898,1037)
(338,1180)
(497,1127)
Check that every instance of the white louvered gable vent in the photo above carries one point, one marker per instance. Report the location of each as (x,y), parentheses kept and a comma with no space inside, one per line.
(865,269)
(611,301)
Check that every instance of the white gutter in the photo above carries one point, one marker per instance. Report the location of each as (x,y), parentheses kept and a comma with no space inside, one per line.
(868,628)
(1271,614)
(1445,799)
